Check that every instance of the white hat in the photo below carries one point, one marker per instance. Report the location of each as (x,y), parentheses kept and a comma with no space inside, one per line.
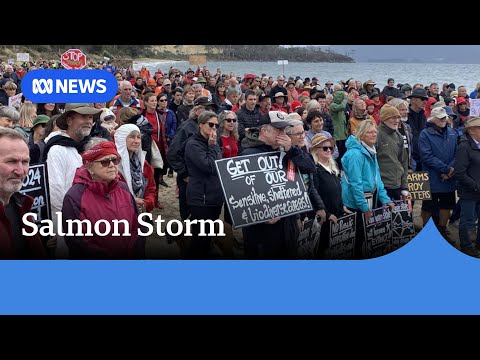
(438,113)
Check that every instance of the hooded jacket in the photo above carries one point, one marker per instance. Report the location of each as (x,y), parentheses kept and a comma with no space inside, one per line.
(360,174)
(150,194)
(94,201)
(337,112)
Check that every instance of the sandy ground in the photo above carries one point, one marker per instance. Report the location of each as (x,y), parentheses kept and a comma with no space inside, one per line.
(158,247)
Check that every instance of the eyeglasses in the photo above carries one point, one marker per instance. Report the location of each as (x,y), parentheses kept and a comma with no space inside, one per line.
(299,134)
(106,162)
(326,148)
(230,120)
(212,125)
(162,100)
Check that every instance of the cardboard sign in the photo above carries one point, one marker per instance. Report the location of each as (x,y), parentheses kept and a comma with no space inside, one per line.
(403,228)
(475,107)
(378,233)
(15,99)
(36,186)
(308,239)
(257,189)
(419,185)
(199,59)
(342,238)
(23,57)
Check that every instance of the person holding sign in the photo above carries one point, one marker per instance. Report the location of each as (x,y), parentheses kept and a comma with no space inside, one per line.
(437,146)
(467,174)
(14,159)
(362,185)
(275,238)
(326,181)
(204,191)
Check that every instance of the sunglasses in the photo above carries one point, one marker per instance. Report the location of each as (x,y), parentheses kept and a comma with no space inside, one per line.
(162,100)
(212,125)
(326,148)
(230,120)
(106,162)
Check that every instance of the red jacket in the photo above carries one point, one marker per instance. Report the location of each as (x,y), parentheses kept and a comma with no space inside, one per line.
(34,248)
(94,201)
(150,196)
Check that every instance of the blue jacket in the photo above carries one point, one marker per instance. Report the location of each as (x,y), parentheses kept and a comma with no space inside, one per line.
(360,174)
(437,153)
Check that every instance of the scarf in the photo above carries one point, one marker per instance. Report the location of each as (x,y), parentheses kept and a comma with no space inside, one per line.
(65,141)
(138,181)
(371,150)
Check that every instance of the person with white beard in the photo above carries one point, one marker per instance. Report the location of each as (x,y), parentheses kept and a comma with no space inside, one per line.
(404,129)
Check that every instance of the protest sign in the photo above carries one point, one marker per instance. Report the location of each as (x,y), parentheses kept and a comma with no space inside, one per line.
(260,187)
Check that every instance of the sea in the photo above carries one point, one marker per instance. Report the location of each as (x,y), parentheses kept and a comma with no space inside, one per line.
(411,73)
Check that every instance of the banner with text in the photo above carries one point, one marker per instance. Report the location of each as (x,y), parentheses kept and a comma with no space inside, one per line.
(419,185)
(308,239)
(378,233)
(403,228)
(341,243)
(36,186)
(260,187)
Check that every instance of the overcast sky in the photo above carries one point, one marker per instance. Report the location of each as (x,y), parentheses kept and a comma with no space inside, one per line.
(453,54)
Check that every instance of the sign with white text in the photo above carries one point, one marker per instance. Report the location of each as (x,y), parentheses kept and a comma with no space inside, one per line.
(260,187)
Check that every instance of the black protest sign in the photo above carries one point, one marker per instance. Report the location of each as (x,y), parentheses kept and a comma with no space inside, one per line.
(36,186)
(308,239)
(419,185)
(403,228)
(378,233)
(341,244)
(260,187)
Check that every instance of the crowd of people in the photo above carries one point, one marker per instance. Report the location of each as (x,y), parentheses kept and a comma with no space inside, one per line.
(353,144)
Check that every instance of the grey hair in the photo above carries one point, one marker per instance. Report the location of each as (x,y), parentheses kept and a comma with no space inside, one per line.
(231,91)
(205,116)
(94,141)
(9,112)
(292,123)
(10,134)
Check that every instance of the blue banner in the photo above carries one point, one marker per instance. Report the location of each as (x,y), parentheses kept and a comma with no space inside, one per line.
(69,86)
(426,276)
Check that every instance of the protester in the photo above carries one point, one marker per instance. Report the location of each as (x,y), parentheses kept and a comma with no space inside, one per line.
(135,169)
(204,191)
(98,194)
(362,186)
(14,159)
(467,174)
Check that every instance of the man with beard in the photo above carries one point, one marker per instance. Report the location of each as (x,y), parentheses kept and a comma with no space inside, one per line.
(63,155)
(14,160)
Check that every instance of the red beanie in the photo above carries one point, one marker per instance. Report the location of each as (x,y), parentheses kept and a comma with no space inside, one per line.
(100,150)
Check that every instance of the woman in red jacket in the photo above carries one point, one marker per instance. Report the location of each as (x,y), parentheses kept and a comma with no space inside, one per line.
(137,172)
(99,198)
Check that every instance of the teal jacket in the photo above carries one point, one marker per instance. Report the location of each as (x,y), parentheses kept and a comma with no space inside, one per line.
(360,174)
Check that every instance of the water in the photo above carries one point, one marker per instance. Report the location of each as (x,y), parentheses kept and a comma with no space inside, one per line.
(459,74)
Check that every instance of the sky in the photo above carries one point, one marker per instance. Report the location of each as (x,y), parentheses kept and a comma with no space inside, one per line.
(449,54)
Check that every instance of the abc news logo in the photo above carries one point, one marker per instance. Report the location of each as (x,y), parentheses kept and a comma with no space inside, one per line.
(69,86)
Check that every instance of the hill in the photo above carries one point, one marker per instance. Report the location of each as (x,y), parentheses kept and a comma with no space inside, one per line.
(179,52)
